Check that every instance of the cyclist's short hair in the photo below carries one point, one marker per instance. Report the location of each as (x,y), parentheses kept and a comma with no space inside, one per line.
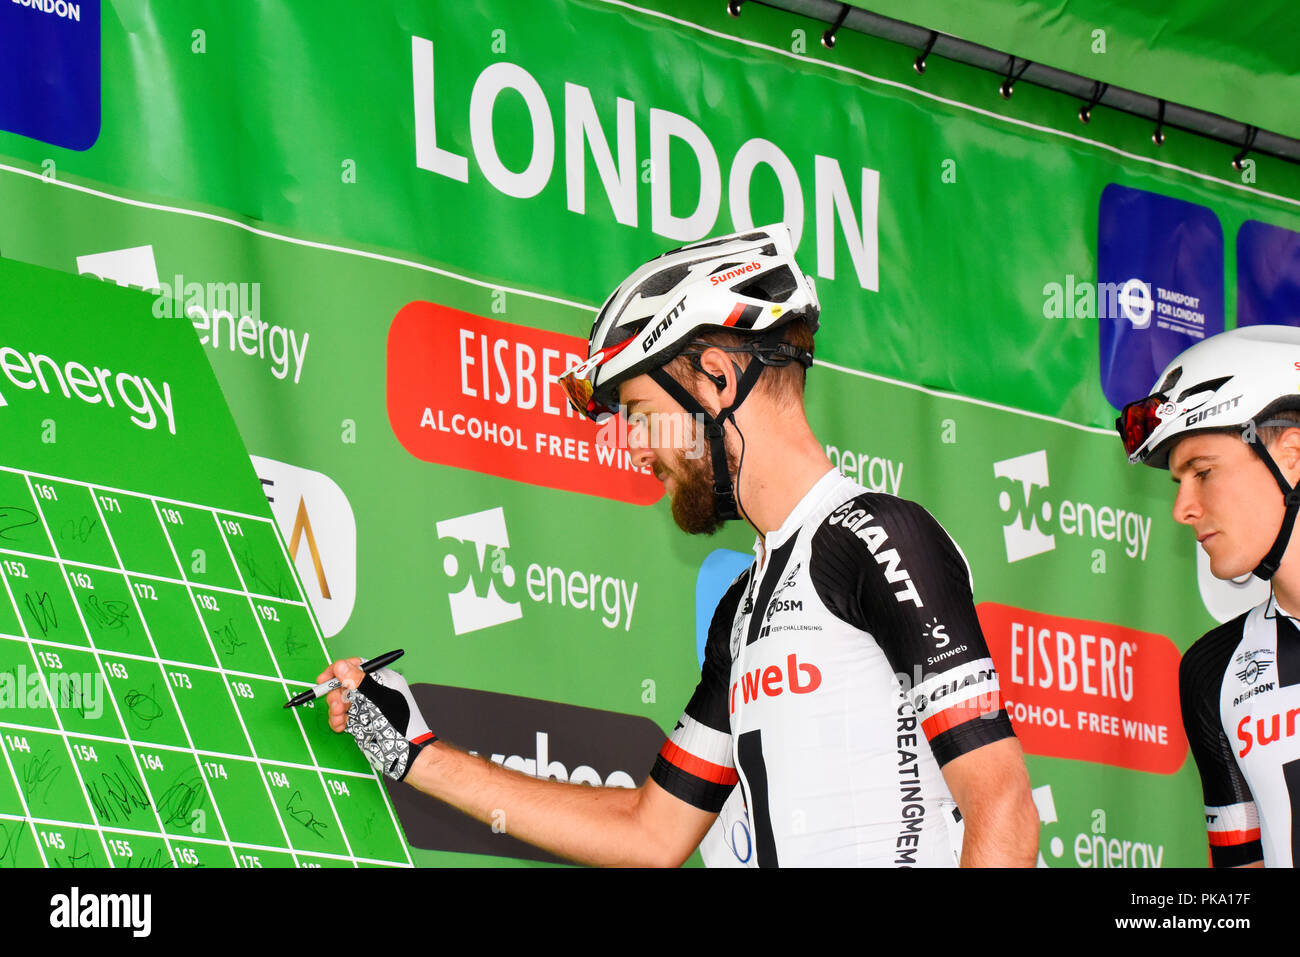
(1270,434)
(783,383)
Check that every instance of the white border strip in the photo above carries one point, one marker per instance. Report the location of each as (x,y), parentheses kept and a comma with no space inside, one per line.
(451,275)
(293,240)
(940,394)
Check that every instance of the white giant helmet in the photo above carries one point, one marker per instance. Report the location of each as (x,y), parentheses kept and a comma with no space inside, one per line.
(1225,382)
(1237,381)
(746,282)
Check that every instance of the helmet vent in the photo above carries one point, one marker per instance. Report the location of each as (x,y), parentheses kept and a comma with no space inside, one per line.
(742,238)
(627,330)
(1207,386)
(775,286)
(663,282)
(1171,380)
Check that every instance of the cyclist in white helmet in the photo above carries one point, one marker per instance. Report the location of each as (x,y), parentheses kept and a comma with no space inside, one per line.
(1224,419)
(800,724)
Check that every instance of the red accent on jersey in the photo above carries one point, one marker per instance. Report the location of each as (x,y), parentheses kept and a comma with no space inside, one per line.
(1229,838)
(689,763)
(990,702)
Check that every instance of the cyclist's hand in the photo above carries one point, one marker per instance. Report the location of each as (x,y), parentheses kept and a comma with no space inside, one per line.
(378,710)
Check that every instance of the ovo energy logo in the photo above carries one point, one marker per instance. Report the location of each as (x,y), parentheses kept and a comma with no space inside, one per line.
(1093,844)
(486,589)
(1035,521)
(475,561)
(1030,472)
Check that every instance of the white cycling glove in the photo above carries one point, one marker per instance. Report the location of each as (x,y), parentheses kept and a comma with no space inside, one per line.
(387,724)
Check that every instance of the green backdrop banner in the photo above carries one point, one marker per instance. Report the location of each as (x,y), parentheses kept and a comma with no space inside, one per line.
(1225,59)
(390,233)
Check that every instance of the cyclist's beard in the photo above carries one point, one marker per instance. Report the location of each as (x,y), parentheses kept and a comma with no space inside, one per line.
(693,502)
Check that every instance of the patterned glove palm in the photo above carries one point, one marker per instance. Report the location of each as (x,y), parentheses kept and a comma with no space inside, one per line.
(386,723)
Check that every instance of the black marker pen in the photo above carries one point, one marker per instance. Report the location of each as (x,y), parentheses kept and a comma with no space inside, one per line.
(374,664)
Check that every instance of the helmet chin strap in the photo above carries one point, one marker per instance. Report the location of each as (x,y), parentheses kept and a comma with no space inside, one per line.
(724,499)
(1291,499)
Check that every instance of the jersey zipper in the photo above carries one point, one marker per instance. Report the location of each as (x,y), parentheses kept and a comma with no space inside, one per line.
(762,555)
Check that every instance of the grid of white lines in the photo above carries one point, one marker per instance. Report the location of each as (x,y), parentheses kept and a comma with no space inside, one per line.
(242,854)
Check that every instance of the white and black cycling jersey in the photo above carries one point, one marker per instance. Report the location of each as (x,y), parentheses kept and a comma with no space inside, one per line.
(842,670)
(1239,686)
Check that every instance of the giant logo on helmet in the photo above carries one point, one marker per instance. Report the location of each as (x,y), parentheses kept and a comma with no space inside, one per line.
(648,342)
(1202,414)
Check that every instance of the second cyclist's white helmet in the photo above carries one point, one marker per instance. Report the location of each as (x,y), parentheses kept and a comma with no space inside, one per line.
(1224,382)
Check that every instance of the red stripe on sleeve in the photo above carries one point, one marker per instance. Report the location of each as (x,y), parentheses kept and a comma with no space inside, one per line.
(1231,838)
(689,763)
(938,723)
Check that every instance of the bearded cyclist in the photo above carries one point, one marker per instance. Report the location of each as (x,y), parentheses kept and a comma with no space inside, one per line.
(1224,419)
(800,703)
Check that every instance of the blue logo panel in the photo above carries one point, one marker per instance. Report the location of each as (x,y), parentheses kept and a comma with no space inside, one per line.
(50,71)
(716,575)
(1268,275)
(1159,285)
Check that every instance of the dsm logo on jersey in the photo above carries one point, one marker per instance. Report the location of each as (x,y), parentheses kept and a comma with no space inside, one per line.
(483,582)
(1025,539)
